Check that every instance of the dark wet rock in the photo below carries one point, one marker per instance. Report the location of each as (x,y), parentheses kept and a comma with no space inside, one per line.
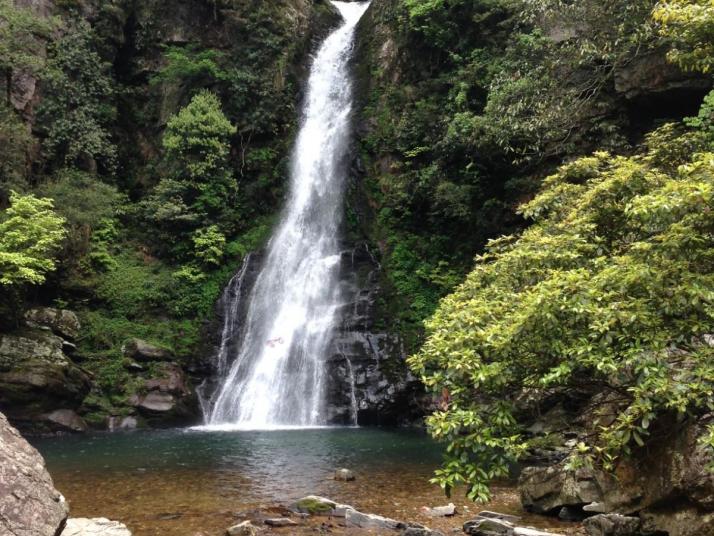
(98,526)
(61,321)
(29,503)
(66,420)
(440,511)
(612,525)
(368,376)
(246,528)
(144,351)
(37,378)
(280,522)
(356,519)
(572,513)
(344,475)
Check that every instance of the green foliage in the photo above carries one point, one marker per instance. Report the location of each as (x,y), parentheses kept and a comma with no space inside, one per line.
(209,245)
(612,285)
(200,188)
(704,121)
(78,106)
(30,234)
(690,25)
(190,64)
(86,203)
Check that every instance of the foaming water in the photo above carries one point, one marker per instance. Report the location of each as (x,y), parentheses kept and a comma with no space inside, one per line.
(277,378)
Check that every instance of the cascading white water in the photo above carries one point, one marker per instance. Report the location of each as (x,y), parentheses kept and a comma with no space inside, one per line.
(278,377)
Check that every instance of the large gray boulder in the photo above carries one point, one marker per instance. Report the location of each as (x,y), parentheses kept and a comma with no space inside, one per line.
(29,503)
(37,378)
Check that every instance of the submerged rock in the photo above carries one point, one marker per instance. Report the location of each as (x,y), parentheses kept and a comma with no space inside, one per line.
(344,475)
(29,503)
(98,526)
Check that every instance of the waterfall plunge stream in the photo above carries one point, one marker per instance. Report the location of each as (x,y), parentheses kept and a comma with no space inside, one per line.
(277,378)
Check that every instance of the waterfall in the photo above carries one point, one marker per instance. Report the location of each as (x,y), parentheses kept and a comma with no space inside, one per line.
(278,375)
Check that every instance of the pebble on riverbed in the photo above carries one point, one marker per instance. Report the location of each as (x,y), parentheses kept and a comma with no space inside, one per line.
(344,475)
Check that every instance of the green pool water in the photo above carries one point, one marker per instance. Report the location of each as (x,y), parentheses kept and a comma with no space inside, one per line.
(188,482)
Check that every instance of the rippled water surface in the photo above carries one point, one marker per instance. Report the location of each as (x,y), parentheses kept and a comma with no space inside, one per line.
(187,482)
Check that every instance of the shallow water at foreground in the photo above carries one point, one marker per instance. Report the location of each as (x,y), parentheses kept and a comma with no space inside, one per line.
(184,482)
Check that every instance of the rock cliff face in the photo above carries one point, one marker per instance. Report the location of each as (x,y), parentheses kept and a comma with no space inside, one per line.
(29,503)
(40,385)
(666,489)
(369,380)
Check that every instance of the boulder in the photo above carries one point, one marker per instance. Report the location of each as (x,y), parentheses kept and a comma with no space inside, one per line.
(316,505)
(99,526)
(484,526)
(144,351)
(612,525)
(545,490)
(66,420)
(62,322)
(168,378)
(344,475)
(440,511)
(29,503)
(165,397)
(356,519)
(37,378)
(246,528)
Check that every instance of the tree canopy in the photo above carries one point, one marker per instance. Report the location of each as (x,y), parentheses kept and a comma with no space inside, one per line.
(612,285)
(30,234)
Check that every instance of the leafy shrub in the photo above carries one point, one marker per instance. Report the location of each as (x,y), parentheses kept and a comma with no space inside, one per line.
(612,286)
